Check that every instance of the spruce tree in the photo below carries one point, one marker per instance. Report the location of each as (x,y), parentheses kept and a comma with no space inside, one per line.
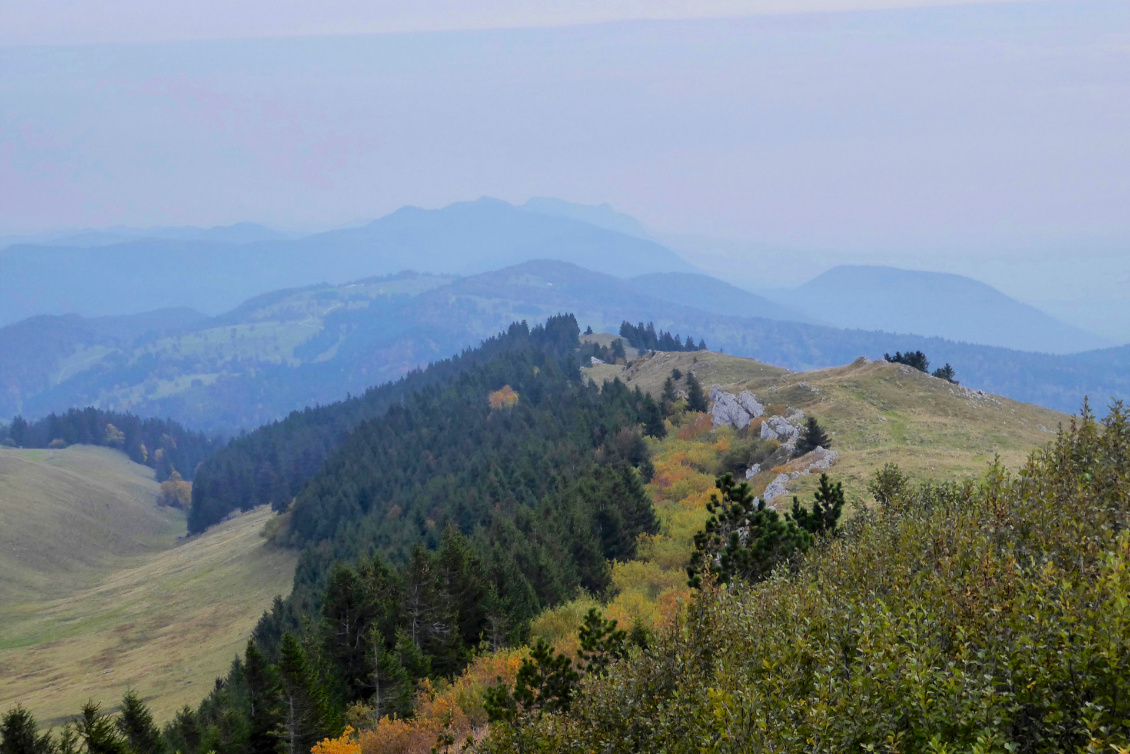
(303,703)
(19,734)
(743,538)
(263,699)
(812,437)
(827,505)
(696,399)
(653,424)
(98,732)
(389,680)
(135,722)
(183,733)
(945,373)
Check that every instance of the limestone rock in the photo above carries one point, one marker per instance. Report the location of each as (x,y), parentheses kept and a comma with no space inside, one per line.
(750,403)
(731,411)
(752,471)
(726,411)
(776,488)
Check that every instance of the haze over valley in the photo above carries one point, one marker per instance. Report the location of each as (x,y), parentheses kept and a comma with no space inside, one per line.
(434,378)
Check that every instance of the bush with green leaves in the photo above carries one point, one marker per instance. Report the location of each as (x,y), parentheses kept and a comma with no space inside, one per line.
(953,617)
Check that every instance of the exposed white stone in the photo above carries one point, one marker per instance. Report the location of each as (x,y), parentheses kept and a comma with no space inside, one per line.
(731,411)
(750,403)
(596,361)
(776,488)
(752,471)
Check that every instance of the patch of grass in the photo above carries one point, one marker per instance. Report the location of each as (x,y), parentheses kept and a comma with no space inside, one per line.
(101,594)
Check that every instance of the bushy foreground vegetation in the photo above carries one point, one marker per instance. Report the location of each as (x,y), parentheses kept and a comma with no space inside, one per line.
(988,617)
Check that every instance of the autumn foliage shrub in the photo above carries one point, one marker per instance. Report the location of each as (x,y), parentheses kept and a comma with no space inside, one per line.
(988,617)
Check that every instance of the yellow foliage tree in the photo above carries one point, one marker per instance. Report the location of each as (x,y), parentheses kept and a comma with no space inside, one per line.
(175,492)
(503,398)
(114,437)
(345,744)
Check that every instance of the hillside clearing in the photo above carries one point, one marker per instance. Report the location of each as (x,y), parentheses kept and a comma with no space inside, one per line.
(129,604)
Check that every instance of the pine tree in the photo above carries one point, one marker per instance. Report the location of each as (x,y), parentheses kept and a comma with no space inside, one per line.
(602,643)
(135,722)
(696,399)
(812,437)
(945,373)
(303,703)
(183,733)
(827,505)
(741,539)
(546,681)
(98,732)
(19,734)
(653,424)
(263,698)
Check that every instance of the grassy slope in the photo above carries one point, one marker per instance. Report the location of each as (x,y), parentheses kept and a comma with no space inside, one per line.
(875,413)
(103,595)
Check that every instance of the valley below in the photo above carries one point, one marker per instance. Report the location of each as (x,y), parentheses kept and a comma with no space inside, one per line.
(102,591)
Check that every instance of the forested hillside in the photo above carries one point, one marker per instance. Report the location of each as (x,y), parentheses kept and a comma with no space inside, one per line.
(161,444)
(272,464)
(494,485)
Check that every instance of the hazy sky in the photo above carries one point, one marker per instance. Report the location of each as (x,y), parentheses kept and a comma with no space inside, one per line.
(1004,125)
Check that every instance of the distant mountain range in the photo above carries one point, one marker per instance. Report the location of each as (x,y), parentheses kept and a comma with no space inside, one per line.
(934,304)
(214,270)
(293,348)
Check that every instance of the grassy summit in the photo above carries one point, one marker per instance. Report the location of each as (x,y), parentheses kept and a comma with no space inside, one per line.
(875,412)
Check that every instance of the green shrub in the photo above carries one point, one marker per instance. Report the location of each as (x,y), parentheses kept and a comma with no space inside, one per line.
(985,617)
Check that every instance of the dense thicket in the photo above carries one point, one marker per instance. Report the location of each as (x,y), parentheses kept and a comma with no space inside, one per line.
(271,464)
(950,617)
(161,444)
(645,338)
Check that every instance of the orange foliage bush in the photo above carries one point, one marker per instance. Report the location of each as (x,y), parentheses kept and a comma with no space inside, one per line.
(702,424)
(503,398)
(346,744)
(455,707)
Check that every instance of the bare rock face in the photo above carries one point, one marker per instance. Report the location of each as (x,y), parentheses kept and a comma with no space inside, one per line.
(752,471)
(731,411)
(825,459)
(750,403)
(726,411)
(778,428)
(775,489)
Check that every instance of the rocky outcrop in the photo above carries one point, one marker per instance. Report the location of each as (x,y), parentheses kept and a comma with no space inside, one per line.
(752,471)
(775,489)
(734,411)
(778,428)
